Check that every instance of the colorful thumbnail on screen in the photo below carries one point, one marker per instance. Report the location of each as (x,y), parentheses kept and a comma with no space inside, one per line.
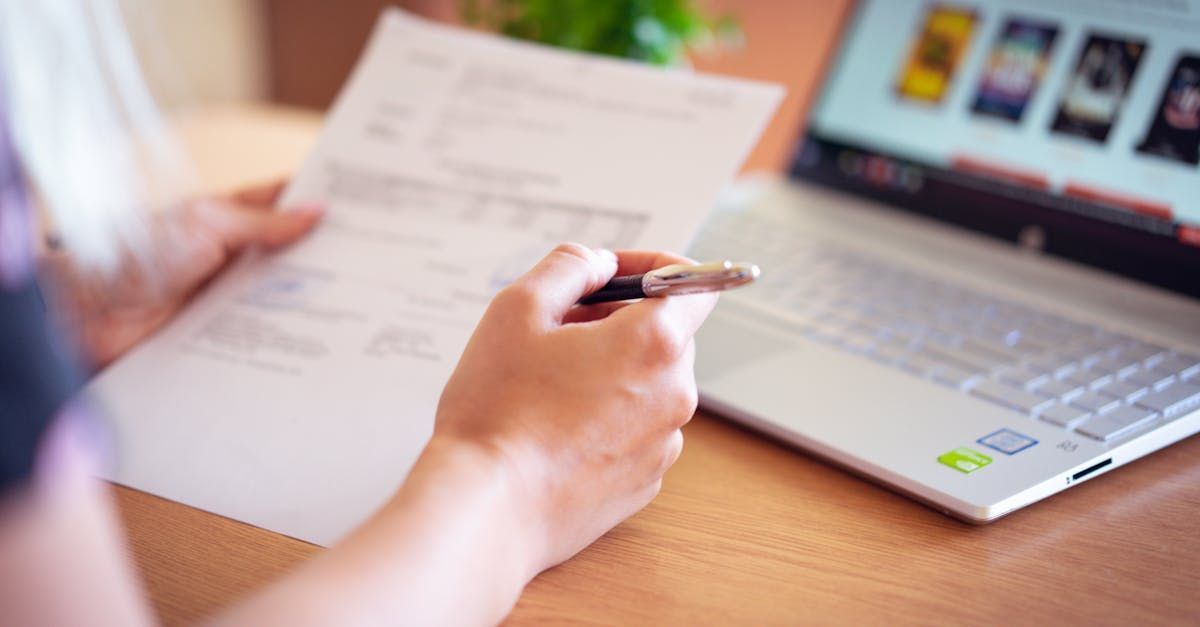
(1014,69)
(936,53)
(1097,87)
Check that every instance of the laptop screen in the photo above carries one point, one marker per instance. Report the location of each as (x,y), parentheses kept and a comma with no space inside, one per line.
(1070,126)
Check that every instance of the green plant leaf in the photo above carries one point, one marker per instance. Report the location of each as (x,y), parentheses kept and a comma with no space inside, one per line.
(656,31)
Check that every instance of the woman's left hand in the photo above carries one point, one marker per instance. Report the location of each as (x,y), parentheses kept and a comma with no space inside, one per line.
(110,312)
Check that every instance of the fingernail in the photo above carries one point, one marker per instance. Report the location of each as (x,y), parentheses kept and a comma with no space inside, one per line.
(607,254)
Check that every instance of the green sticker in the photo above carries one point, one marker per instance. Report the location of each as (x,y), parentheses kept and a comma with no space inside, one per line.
(965,460)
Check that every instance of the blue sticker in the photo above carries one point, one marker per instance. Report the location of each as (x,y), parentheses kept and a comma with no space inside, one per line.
(1007,441)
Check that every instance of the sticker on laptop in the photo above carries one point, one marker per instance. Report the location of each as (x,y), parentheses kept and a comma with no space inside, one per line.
(1007,441)
(964,460)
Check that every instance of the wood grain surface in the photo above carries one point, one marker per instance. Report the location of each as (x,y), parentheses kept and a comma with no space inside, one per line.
(747,531)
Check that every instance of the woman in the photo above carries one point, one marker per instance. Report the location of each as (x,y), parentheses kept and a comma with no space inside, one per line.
(535,451)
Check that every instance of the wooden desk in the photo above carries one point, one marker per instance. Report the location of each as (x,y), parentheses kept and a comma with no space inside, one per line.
(748,531)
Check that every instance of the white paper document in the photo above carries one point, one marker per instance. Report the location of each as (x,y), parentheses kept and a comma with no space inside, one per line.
(296,392)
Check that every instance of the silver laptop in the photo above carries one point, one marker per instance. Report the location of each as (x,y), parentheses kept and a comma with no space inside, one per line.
(981,280)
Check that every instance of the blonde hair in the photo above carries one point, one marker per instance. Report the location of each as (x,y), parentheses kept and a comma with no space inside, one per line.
(91,141)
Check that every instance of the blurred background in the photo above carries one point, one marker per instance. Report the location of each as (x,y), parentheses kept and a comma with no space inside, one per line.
(217,54)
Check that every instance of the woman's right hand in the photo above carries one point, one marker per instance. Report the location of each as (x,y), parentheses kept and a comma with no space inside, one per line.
(557,424)
(579,408)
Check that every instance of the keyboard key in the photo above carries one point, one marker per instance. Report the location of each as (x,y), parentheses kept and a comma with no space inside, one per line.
(997,350)
(1009,396)
(1148,354)
(1119,365)
(1021,376)
(1108,339)
(1044,363)
(1083,354)
(1184,366)
(1176,400)
(956,328)
(1044,335)
(962,359)
(1068,327)
(1095,402)
(1124,390)
(1088,378)
(1000,358)
(999,332)
(1064,370)
(1054,388)
(1116,423)
(1101,345)
(954,377)
(906,333)
(1151,377)
(1063,415)
(942,339)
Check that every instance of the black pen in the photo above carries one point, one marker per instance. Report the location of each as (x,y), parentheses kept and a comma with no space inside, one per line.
(674,280)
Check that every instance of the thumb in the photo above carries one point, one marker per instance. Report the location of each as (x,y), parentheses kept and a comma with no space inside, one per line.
(562,277)
(237,229)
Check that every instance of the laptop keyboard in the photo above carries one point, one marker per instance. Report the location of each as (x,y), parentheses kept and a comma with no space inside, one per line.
(1100,384)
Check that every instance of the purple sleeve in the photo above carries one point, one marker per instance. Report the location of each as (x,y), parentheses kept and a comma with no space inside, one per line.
(36,376)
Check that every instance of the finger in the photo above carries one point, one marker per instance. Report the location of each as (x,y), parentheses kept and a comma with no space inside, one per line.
(237,229)
(563,276)
(591,313)
(628,262)
(664,325)
(646,495)
(639,261)
(656,457)
(688,392)
(688,361)
(671,451)
(260,196)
